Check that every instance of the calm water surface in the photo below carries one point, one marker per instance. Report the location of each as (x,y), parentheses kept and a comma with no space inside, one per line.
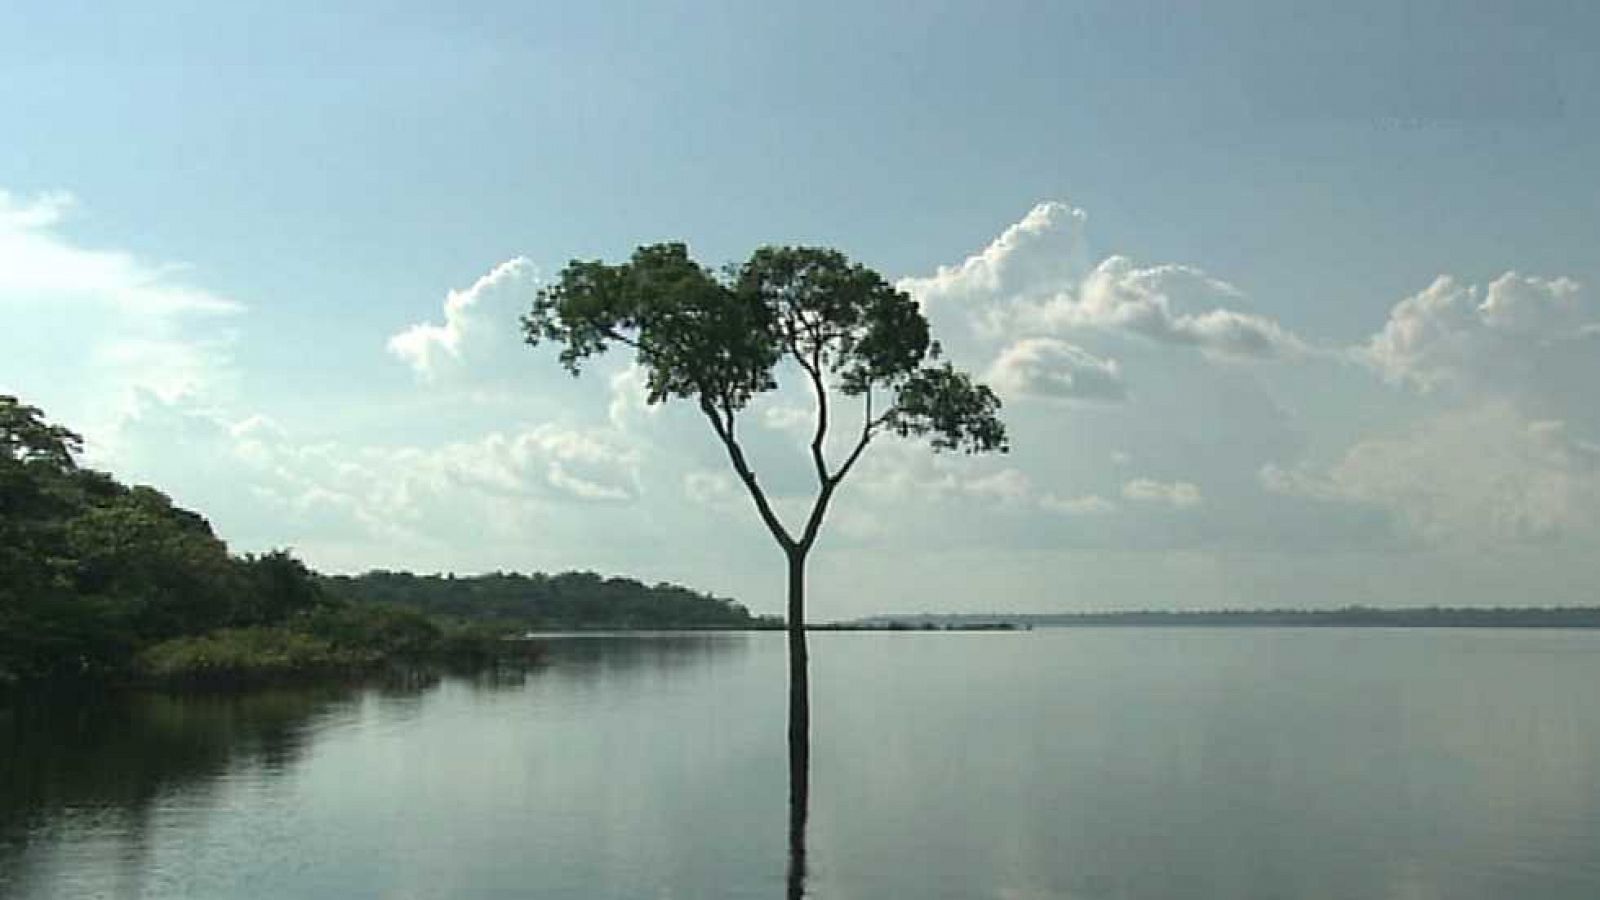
(1117,763)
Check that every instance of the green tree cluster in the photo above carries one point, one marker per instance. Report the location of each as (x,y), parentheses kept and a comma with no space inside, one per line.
(539,602)
(102,580)
(105,581)
(93,571)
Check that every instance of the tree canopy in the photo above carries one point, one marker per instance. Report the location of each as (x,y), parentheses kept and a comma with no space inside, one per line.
(720,338)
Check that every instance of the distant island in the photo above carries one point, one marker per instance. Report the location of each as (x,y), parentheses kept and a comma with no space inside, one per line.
(1344,617)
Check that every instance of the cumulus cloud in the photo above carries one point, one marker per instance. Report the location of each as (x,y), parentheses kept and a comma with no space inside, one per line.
(265,485)
(1176,494)
(1478,477)
(477,321)
(1032,280)
(546,460)
(1451,333)
(897,473)
(1048,367)
(1152,302)
(1028,261)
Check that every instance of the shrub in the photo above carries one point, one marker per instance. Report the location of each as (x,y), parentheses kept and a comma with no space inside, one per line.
(233,656)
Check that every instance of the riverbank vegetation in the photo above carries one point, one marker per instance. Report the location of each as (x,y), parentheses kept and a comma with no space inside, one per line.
(571,601)
(103,581)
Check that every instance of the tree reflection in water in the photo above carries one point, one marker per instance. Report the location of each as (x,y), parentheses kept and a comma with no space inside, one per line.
(799,779)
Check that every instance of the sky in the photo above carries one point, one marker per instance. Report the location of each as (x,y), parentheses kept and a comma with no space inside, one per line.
(1290,305)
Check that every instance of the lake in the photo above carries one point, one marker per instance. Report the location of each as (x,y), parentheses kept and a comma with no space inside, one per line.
(1075,763)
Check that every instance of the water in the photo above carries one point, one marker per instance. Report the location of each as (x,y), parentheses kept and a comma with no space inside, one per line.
(1117,763)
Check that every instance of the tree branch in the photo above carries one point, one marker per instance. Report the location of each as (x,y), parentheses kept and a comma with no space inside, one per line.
(724,432)
(819,509)
(821,432)
(869,427)
(619,337)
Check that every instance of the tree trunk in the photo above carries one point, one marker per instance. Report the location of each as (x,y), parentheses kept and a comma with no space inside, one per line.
(799,726)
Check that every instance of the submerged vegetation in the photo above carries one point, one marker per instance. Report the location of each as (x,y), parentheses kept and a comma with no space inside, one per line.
(106,582)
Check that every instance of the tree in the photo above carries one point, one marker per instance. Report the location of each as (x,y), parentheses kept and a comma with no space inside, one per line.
(36,468)
(719,339)
(36,495)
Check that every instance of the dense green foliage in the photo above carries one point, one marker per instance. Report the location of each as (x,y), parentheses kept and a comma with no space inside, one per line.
(106,581)
(92,571)
(574,600)
(233,654)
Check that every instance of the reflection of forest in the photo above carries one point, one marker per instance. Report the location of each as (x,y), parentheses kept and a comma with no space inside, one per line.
(108,762)
(116,754)
(111,758)
(636,653)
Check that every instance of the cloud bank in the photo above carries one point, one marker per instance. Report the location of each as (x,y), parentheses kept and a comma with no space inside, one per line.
(1464,335)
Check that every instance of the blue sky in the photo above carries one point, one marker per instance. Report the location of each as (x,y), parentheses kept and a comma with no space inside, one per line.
(1199,249)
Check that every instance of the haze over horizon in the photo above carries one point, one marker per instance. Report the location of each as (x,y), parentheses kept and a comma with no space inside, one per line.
(1288,310)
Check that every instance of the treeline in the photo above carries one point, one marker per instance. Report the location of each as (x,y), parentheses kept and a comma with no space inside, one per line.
(539,602)
(103,581)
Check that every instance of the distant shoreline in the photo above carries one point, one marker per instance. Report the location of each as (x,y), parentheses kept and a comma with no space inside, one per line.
(1348,617)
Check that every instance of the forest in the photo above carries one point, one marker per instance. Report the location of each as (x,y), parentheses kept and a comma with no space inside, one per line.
(539,602)
(104,581)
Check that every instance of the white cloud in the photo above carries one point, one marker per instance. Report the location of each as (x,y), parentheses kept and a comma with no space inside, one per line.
(1047,367)
(1177,494)
(1088,504)
(1532,305)
(167,366)
(1032,280)
(1150,302)
(1027,260)
(264,485)
(42,211)
(1480,477)
(1454,333)
(40,266)
(629,398)
(1006,486)
(477,321)
(896,473)
(544,460)
(89,330)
